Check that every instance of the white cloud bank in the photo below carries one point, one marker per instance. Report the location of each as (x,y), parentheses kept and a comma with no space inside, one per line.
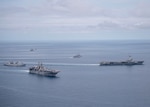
(59,16)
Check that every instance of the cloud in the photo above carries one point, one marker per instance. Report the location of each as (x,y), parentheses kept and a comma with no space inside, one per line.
(142,9)
(75,16)
(14,10)
(63,8)
(73,8)
(127,24)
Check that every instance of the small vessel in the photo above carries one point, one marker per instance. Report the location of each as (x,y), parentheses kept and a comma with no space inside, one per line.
(77,56)
(15,64)
(130,61)
(41,70)
(31,50)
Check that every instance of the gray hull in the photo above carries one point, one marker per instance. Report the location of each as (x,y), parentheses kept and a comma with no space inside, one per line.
(111,63)
(15,65)
(41,70)
(43,73)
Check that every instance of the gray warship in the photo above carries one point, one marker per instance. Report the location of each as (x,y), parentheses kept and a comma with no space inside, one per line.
(128,62)
(77,56)
(41,70)
(15,64)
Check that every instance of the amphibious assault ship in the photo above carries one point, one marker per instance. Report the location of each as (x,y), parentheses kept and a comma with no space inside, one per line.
(41,70)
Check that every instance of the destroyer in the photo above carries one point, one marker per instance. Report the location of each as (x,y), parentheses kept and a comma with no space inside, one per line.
(15,64)
(130,61)
(41,70)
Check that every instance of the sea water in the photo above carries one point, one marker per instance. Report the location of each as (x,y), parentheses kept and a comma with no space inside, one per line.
(81,82)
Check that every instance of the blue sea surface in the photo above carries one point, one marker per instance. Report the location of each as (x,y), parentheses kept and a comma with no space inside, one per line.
(81,82)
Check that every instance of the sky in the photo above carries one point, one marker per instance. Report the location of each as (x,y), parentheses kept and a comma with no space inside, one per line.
(60,20)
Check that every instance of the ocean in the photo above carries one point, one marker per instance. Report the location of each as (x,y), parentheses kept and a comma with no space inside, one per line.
(81,82)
